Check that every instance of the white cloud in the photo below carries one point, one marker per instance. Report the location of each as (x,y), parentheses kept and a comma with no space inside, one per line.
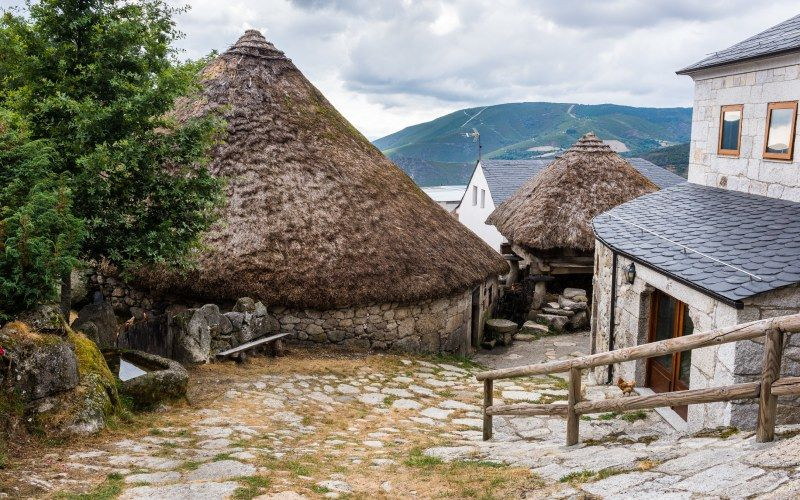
(387,64)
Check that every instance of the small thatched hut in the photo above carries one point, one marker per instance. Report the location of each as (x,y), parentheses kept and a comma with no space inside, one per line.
(321,227)
(548,221)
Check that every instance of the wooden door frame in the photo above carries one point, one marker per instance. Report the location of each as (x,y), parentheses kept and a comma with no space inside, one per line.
(678,319)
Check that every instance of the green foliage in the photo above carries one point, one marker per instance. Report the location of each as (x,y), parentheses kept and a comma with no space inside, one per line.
(419,459)
(674,158)
(107,490)
(633,416)
(96,80)
(39,234)
(251,487)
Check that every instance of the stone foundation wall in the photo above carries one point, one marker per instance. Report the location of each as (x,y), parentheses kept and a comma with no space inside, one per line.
(749,354)
(431,326)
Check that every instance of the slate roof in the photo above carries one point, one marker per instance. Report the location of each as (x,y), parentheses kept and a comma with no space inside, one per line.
(729,233)
(781,38)
(506,176)
(660,176)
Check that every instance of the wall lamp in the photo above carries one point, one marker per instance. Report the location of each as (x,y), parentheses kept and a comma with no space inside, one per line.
(630,273)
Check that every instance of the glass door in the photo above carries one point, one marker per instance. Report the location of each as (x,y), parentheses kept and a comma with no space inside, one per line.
(669,319)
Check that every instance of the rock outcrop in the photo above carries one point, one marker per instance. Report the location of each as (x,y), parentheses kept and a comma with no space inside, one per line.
(99,323)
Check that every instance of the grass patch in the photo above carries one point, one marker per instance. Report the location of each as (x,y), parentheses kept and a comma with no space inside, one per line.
(585,476)
(388,400)
(251,487)
(156,432)
(109,489)
(420,460)
(558,382)
(577,477)
(718,432)
(190,465)
(319,489)
(633,416)
(222,456)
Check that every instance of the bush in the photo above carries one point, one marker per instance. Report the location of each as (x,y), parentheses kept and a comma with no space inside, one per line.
(39,235)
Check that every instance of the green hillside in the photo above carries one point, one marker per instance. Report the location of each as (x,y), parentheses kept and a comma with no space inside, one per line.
(527,130)
(674,158)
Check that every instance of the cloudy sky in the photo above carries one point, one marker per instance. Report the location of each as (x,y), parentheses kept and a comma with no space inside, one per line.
(387,64)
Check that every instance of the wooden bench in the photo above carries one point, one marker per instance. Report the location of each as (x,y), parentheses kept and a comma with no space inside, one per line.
(242,349)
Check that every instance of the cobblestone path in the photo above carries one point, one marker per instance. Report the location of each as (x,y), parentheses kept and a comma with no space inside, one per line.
(315,424)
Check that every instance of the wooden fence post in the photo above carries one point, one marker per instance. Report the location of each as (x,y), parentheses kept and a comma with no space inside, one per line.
(767,402)
(573,398)
(488,396)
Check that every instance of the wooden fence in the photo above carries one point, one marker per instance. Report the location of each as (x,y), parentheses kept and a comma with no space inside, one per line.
(767,390)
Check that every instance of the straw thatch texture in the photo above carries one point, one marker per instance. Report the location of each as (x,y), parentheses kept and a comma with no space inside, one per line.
(316,216)
(555,209)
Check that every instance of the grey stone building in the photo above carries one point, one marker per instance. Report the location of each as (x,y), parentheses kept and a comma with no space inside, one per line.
(720,250)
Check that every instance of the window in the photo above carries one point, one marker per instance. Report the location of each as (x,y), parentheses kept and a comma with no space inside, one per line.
(474,195)
(779,136)
(483,198)
(730,130)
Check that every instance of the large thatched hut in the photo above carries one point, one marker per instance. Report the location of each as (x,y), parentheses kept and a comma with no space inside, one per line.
(548,221)
(337,241)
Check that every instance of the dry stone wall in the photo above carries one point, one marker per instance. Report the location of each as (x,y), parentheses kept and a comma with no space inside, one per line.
(431,326)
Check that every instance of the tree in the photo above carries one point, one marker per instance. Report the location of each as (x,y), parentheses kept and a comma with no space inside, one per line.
(97,79)
(39,235)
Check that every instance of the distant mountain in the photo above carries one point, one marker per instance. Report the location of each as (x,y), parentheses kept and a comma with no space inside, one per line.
(674,158)
(527,130)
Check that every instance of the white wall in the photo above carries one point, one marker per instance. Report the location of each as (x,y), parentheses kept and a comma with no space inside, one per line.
(474,215)
(753,84)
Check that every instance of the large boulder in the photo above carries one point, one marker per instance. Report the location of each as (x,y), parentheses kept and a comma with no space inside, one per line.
(64,385)
(46,319)
(164,381)
(251,320)
(95,399)
(41,365)
(555,322)
(192,336)
(99,323)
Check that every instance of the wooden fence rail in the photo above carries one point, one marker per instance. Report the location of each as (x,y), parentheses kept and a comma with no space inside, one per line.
(773,330)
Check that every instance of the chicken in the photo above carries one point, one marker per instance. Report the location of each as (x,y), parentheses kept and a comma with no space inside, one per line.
(625,386)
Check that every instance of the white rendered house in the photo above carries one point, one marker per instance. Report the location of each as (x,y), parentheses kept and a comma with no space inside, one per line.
(717,251)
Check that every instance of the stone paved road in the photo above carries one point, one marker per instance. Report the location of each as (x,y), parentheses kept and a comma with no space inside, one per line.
(388,427)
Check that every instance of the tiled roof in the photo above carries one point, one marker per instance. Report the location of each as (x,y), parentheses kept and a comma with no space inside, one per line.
(783,37)
(728,244)
(506,176)
(660,176)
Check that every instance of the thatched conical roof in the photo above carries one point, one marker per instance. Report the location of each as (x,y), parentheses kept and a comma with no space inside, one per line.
(316,216)
(555,209)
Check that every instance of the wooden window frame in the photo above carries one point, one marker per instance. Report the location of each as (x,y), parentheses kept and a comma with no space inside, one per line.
(790,153)
(722,111)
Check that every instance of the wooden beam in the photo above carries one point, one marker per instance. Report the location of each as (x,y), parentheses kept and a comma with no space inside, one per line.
(767,401)
(695,396)
(744,331)
(786,386)
(528,409)
(573,398)
(488,396)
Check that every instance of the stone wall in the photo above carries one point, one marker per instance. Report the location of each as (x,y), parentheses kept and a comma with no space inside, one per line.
(749,355)
(753,84)
(431,326)
(711,366)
